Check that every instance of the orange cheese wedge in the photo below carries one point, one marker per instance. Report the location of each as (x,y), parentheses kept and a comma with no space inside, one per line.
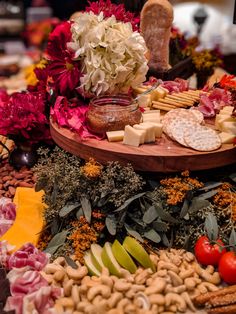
(29,220)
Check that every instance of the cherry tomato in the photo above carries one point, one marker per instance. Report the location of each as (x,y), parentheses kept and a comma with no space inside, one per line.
(207,253)
(227,268)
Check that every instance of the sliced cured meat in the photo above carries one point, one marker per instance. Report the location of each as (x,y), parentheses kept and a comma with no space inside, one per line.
(206,106)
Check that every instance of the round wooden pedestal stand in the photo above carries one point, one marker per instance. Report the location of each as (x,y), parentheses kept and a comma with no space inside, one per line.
(162,156)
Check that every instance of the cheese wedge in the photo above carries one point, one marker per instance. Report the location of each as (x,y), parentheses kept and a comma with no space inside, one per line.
(229,127)
(220,118)
(158,93)
(158,127)
(227,138)
(133,137)
(145,101)
(152,117)
(149,129)
(115,136)
(227,109)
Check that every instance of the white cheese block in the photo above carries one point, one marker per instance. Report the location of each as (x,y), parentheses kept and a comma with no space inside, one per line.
(229,127)
(145,101)
(227,138)
(152,117)
(133,137)
(227,109)
(158,127)
(149,129)
(158,93)
(115,136)
(148,111)
(220,118)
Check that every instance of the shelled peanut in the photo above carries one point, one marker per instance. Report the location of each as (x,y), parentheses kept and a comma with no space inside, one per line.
(10,179)
(171,289)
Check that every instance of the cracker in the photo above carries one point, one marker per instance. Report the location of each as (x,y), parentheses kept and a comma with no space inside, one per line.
(202,139)
(177,128)
(198,115)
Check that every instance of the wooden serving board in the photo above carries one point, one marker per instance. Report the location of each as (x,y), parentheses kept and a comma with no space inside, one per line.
(162,156)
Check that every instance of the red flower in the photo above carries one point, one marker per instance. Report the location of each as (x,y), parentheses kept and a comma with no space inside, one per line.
(118,10)
(64,71)
(24,115)
(228,81)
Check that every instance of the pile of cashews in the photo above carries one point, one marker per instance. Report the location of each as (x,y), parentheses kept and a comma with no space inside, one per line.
(177,281)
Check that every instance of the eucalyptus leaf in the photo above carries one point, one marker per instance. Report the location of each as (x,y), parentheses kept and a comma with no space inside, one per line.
(207,195)
(54,226)
(41,184)
(165,240)
(186,244)
(70,262)
(164,215)
(150,215)
(133,233)
(67,209)
(233,176)
(103,201)
(232,238)
(129,201)
(110,223)
(210,186)
(198,204)
(184,209)
(86,207)
(57,241)
(79,213)
(152,235)
(160,226)
(137,221)
(54,192)
(153,184)
(211,227)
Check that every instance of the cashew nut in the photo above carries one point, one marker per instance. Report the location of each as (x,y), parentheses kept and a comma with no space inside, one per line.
(204,274)
(130,309)
(76,274)
(66,302)
(81,306)
(190,283)
(186,273)
(157,287)
(158,299)
(168,265)
(121,285)
(100,289)
(60,261)
(58,275)
(48,277)
(173,298)
(114,299)
(189,257)
(122,304)
(75,294)
(209,286)
(176,280)
(106,280)
(177,290)
(188,301)
(52,268)
(141,278)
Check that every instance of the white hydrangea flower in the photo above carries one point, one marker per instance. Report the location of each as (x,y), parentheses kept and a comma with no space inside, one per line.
(112,55)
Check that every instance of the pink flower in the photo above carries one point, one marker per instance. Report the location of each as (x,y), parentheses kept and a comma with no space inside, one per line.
(28,255)
(7,214)
(24,115)
(64,71)
(118,10)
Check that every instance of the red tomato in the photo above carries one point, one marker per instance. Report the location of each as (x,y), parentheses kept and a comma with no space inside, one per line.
(207,253)
(227,268)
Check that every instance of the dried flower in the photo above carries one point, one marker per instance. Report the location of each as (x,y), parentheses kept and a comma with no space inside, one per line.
(91,169)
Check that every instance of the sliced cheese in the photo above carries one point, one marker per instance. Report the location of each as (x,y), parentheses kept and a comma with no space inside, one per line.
(145,101)
(141,89)
(115,136)
(133,137)
(158,93)
(152,117)
(229,127)
(227,109)
(158,127)
(149,129)
(151,111)
(220,118)
(227,138)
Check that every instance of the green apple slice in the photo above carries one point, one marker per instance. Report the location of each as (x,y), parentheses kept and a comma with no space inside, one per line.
(109,260)
(122,257)
(90,265)
(138,252)
(96,251)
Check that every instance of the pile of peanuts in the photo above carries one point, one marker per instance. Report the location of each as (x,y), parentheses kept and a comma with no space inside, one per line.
(10,179)
(171,289)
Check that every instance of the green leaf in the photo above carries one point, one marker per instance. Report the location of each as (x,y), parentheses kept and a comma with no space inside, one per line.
(198,204)
(210,185)
(211,227)
(133,233)
(57,241)
(232,238)
(41,184)
(152,235)
(111,224)
(165,240)
(150,215)
(70,262)
(86,207)
(207,195)
(79,213)
(184,209)
(164,215)
(160,226)
(67,209)
(233,176)
(129,201)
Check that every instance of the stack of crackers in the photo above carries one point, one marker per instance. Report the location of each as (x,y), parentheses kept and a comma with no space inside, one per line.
(184,99)
(185,127)
(9,144)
